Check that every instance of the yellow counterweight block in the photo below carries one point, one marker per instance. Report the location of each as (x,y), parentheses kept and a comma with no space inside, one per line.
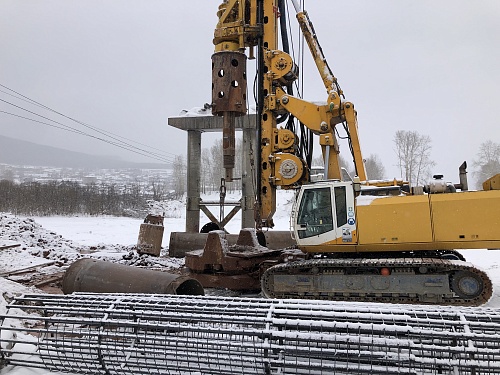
(465,220)
(468,219)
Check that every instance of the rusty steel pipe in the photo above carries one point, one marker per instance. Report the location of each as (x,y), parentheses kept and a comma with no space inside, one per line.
(97,276)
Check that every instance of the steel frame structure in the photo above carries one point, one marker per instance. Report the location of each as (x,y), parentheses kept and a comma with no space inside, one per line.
(153,334)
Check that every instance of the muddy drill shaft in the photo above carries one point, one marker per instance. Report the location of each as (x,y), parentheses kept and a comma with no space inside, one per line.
(229,99)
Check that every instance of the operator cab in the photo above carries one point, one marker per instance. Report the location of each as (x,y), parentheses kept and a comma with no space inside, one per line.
(324,212)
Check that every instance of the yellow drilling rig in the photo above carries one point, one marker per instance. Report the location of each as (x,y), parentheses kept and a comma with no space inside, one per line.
(363,240)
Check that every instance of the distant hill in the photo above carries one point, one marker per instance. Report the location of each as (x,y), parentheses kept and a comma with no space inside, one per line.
(17,152)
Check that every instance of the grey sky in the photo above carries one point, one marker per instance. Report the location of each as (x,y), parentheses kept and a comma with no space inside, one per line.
(126,66)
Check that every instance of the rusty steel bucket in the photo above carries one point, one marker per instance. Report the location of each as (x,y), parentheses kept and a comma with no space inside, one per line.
(150,236)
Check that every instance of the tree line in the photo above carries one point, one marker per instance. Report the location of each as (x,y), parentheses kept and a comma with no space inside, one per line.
(413,151)
(70,198)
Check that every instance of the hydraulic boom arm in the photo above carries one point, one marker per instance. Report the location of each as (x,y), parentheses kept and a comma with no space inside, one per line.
(254,23)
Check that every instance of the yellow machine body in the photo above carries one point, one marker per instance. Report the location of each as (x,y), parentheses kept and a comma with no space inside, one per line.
(492,183)
(430,222)
(464,220)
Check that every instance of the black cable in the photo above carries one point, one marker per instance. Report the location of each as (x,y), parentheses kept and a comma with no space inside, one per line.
(165,160)
(119,143)
(308,143)
(286,48)
(77,131)
(103,132)
(283,28)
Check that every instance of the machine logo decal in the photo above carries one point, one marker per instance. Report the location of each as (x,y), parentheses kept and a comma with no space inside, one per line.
(346,235)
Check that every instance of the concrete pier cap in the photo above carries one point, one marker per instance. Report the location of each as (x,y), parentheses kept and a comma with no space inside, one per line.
(196,124)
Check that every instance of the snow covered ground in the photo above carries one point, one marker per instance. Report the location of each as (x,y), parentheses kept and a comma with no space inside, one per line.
(56,242)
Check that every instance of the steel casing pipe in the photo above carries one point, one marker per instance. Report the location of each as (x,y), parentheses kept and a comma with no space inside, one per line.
(97,276)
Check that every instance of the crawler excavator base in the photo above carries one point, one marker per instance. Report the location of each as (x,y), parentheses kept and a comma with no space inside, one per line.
(430,278)
(396,280)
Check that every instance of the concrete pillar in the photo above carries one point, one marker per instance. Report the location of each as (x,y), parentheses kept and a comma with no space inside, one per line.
(193,182)
(247,192)
(195,126)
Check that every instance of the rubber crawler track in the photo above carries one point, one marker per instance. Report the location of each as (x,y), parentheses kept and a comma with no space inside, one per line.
(327,266)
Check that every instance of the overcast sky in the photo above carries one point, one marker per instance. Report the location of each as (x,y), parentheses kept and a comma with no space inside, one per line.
(126,66)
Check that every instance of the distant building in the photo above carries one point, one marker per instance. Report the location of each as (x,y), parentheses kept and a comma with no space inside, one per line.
(87,180)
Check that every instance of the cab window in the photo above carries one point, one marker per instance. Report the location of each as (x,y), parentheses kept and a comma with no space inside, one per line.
(315,212)
(341,205)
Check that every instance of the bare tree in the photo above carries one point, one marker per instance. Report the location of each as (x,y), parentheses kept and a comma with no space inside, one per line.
(374,168)
(319,162)
(413,152)
(217,170)
(206,168)
(487,163)
(179,174)
(158,188)
(212,167)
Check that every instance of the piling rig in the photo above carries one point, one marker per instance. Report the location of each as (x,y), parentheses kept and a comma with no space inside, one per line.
(361,239)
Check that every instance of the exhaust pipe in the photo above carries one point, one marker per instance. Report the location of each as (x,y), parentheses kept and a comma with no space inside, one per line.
(463,177)
(97,276)
(462,170)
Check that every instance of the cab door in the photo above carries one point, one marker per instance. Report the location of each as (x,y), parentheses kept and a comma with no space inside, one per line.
(324,213)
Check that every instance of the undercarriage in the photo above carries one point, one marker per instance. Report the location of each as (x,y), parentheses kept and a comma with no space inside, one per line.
(422,277)
(393,280)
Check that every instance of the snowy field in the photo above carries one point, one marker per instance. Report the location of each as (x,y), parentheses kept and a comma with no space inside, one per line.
(92,231)
(58,241)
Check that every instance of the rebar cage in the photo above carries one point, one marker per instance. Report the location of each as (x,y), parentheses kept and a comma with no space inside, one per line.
(162,334)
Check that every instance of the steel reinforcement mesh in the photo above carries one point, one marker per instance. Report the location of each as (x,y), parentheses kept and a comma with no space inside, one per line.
(159,334)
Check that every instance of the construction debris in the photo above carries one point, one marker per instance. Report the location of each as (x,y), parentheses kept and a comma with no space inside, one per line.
(8,245)
(151,235)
